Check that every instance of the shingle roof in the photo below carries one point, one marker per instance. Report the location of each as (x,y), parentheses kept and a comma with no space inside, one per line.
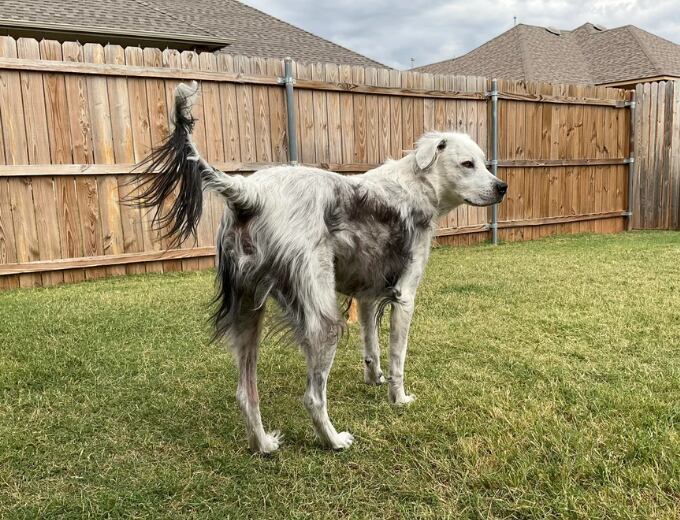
(588,54)
(252,32)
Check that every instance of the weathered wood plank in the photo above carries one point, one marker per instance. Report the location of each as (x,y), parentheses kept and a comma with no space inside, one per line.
(360,152)
(155,71)
(562,219)
(560,99)
(384,119)
(319,103)
(229,109)
(263,140)
(206,146)
(37,138)
(156,97)
(88,170)
(83,152)
(19,191)
(372,119)
(102,138)
(408,137)
(335,136)
(278,117)
(645,156)
(347,117)
(675,159)
(140,127)
(532,181)
(59,133)
(123,150)
(462,212)
(396,131)
(213,204)
(666,159)
(305,117)
(419,109)
(78,106)
(105,260)
(8,252)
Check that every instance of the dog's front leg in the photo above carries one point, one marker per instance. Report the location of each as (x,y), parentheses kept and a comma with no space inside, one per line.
(369,330)
(402,312)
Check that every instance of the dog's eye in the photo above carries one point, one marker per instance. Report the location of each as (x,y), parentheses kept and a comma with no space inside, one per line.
(441,145)
(468,164)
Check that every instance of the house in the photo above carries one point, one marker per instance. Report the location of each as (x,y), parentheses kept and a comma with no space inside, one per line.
(215,25)
(589,54)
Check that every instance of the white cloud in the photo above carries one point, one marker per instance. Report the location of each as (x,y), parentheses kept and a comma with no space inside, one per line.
(435,30)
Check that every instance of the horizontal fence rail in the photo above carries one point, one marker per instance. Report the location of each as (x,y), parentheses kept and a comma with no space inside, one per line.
(183,74)
(75,119)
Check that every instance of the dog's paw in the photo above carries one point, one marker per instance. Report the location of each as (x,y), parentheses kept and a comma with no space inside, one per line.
(271,442)
(371,378)
(342,441)
(402,400)
(406,400)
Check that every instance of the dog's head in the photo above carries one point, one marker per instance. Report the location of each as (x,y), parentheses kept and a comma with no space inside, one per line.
(457,168)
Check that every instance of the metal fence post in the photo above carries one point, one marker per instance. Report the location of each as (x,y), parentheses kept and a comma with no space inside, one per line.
(289,81)
(494,155)
(631,164)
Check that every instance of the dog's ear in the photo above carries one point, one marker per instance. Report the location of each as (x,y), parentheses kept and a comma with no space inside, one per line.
(427,151)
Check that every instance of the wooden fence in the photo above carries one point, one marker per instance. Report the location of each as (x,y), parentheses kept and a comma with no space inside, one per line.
(74,119)
(565,163)
(656,190)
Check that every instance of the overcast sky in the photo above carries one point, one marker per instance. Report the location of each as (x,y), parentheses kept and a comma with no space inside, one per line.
(393,32)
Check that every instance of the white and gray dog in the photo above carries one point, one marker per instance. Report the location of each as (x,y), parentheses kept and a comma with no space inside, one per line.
(299,235)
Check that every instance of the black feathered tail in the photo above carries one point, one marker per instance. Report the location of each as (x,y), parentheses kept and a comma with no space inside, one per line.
(175,163)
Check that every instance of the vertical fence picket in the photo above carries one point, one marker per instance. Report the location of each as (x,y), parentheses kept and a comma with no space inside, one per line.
(62,151)
(44,195)
(123,149)
(333,105)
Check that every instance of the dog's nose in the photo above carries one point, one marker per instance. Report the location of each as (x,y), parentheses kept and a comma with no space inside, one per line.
(502,187)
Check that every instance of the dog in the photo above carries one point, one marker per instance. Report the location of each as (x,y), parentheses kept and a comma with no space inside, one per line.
(299,235)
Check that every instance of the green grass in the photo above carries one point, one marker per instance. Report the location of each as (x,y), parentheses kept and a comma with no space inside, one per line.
(547,376)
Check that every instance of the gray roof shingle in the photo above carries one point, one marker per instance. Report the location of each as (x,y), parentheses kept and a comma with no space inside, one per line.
(252,32)
(588,54)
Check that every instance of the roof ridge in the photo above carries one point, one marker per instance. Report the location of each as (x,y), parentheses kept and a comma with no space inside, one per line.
(523,53)
(165,13)
(630,28)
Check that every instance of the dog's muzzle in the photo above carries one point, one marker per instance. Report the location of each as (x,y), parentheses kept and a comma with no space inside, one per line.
(501,190)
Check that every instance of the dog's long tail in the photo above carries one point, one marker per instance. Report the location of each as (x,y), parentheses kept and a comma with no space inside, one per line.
(174,176)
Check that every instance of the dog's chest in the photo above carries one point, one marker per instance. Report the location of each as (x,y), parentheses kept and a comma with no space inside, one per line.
(369,259)
(372,239)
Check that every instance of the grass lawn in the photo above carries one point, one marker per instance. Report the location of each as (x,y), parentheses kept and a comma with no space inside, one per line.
(547,375)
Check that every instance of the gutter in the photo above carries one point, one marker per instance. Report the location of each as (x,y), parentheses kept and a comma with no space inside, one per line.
(104,35)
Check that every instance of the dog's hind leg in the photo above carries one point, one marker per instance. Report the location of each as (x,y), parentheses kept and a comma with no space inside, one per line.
(322,329)
(319,361)
(245,338)
(369,330)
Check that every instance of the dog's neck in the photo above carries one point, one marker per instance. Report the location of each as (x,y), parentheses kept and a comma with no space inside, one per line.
(420,188)
(429,184)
